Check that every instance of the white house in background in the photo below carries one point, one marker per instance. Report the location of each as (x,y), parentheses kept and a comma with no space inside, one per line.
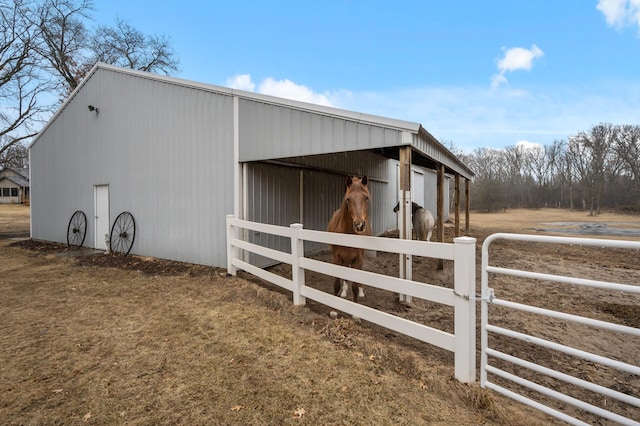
(14,186)
(179,156)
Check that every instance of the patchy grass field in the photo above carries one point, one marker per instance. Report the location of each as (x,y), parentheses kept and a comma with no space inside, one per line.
(14,221)
(112,340)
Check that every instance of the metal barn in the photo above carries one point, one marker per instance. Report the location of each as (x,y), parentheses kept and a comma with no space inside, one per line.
(179,156)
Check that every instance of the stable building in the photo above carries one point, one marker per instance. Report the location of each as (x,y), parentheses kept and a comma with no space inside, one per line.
(179,156)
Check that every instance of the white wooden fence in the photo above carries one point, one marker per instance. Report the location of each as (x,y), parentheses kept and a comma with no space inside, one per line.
(489,298)
(461,297)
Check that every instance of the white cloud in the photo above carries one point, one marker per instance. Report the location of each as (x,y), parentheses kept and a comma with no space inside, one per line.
(281,88)
(528,146)
(516,58)
(620,13)
(241,82)
(290,90)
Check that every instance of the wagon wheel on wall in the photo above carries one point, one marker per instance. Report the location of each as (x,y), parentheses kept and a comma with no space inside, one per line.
(77,229)
(123,232)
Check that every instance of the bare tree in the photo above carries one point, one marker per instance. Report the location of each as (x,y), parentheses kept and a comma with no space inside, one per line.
(627,147)
(489,165)
(516,180)
(64,39)
(589,152)
(569,173)
(540,163)
(21,83)
(15,156)
(560,172)
(70,49)
(125,46)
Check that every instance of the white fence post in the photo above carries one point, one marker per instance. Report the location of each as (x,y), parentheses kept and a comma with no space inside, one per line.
(231,233)
(297,273)
(465,308)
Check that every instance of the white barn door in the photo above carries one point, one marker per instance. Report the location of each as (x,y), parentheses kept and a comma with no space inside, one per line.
(417,186)
(101,215)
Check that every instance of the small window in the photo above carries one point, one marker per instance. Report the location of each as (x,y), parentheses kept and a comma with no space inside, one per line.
(14,192)
(5,192)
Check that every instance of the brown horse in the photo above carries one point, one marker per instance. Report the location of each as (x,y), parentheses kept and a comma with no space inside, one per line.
(351,218)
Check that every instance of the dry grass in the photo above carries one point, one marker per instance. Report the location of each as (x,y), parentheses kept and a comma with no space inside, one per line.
(95,345)
(527,220)
(14,220)
(87,344)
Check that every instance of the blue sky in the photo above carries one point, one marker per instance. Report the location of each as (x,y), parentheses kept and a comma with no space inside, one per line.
(473,73)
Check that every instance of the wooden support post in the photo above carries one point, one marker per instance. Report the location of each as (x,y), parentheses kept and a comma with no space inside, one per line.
(467,208)
(457,204)
(440,220)
(404,213)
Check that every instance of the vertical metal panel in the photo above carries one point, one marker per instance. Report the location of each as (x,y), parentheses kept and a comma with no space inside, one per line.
(430,192)
(273,195)
(165,151)
(318,181)
(274,131)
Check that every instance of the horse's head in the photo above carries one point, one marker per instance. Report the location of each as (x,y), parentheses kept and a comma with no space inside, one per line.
(356,199)
(414,207)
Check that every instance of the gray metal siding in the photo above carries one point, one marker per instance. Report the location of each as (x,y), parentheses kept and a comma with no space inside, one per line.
(166,152)
(271,131)
(273,194)
(324,177)
(273,197)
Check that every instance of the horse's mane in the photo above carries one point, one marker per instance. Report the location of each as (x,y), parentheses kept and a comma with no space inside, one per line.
(356,185)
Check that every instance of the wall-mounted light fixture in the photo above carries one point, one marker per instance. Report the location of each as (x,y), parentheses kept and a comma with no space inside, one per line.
(92,108)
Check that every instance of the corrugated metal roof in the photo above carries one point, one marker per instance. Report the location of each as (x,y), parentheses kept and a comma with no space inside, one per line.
(427,150)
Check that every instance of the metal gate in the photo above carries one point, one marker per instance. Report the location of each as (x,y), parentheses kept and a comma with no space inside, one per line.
(544,379)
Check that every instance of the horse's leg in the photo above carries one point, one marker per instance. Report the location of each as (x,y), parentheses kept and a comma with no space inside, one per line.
(345,288)
(336,286)
(339,286)
(356,288)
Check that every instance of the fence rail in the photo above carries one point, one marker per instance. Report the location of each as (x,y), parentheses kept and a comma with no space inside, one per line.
(489,298)
(462,297)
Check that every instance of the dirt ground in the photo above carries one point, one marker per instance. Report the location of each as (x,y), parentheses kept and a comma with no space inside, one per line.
(611,265)
(107,339)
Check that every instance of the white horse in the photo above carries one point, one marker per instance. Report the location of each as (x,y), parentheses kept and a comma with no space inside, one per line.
(422,220)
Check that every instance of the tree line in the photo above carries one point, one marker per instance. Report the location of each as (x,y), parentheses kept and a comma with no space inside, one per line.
(593,170)
(46,48)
